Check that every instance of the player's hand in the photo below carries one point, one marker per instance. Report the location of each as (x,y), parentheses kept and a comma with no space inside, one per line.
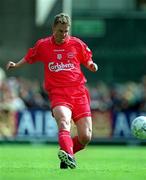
(10,65)
(93,67)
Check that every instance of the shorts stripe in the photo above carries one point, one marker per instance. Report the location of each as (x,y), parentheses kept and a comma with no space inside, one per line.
(85,114)
(62,104)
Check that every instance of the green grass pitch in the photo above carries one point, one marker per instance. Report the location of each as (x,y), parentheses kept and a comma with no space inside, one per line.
(40,162)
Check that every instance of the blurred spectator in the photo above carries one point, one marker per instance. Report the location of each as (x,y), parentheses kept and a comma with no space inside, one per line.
(128,96)
(9,100)
(32,94)
(100,97)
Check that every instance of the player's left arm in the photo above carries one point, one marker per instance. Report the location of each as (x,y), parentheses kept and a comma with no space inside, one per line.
(92,66)
(87,58)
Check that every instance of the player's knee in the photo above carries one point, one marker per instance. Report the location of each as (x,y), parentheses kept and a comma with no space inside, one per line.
(64,123)
(85,139)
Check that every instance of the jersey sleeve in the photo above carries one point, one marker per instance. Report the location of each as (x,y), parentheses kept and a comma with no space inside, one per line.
(33,54)
(86,54)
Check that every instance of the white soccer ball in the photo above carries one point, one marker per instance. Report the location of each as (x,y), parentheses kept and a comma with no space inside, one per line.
(138,127)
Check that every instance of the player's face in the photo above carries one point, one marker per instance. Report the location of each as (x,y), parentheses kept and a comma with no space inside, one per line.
(60,32)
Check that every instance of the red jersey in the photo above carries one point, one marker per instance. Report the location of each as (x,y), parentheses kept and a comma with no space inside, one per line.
(61,62)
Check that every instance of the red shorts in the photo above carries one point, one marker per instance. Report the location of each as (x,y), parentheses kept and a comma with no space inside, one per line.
(75,98)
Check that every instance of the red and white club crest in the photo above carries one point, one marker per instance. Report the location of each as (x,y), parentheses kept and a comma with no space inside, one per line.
(59,56)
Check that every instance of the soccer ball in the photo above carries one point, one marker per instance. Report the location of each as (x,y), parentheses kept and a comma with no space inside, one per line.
(138,127)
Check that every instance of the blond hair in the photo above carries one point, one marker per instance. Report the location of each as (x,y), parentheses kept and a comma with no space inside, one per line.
(62,18)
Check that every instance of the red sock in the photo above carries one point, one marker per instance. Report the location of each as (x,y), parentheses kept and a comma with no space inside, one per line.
(65,141)
(77,146)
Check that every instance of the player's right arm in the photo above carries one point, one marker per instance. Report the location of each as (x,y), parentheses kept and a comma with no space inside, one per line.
(12,65)
(33,55)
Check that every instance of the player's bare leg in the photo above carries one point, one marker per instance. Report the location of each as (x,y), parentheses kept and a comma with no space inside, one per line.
(63,115)
(84,129)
